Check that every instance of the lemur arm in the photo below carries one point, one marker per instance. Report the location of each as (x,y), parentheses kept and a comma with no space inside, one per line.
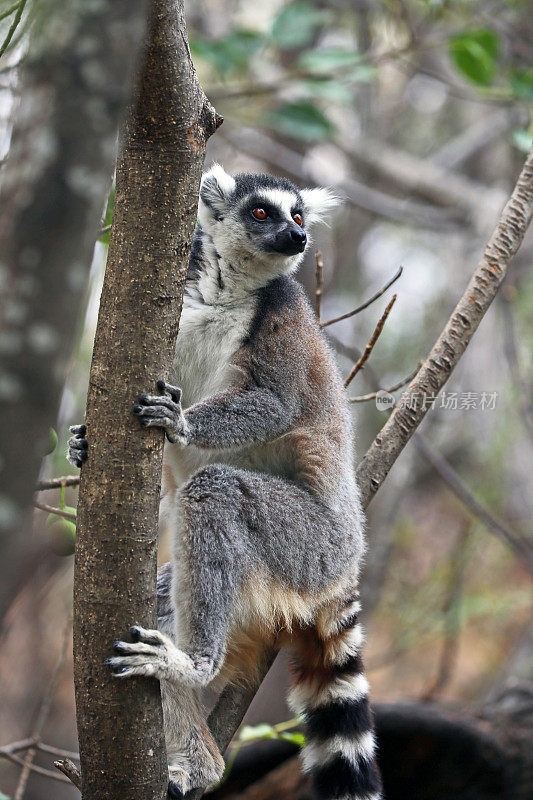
(235,418)
(269,395)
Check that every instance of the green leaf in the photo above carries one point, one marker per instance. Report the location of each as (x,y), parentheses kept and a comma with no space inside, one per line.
(522,139)
(335,91)
(251,732)
(61,534)
(301,120)
(52,442)
(296,738)
(296,23)
(327,59)
(229,53)
(474,54)
(521,81)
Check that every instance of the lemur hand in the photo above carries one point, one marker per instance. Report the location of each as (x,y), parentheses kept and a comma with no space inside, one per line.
(164,412)
(77,445)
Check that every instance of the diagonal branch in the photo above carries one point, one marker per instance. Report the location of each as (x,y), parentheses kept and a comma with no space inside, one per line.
(521,547)
(70,770)
(455,337)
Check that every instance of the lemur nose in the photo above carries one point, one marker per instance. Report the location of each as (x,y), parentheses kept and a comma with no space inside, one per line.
(299,237)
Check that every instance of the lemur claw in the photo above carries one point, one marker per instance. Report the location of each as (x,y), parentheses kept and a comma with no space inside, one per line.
(174,391)
(135,633)
(77,445)
(163,412)
(154,655)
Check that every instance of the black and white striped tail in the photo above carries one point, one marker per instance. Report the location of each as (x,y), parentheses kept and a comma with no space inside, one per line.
(331,692)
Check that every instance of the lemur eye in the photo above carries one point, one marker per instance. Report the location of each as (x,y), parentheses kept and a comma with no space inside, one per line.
(298,219)
(260,213)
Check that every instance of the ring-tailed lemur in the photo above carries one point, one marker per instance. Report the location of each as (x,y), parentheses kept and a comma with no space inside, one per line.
(260,491)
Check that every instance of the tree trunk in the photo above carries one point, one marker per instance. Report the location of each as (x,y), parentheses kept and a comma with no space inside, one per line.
(75,84)
(120,724)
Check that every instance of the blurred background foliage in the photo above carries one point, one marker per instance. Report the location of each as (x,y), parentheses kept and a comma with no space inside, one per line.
(418,114)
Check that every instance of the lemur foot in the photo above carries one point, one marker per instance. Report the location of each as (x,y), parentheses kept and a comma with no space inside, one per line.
(197,768)
(154,655)
(163,412)
(77,445)
(180,782)
(174,792)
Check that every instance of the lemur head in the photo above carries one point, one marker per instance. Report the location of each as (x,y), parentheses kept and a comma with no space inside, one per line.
(260,219)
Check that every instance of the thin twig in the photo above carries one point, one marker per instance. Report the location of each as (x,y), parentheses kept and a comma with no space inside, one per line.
(44,711)
(361,361)
(47,773)
(9,10)
(319,284)
(58,483)
(13,28)
(452,617)
(70,770)
(363,398)
(52,510)
(105,229)
(25,744)
(520,546)
(365,305)
(57,751)
(15,747)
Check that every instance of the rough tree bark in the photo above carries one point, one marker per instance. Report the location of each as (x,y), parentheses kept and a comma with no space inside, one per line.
(74,85)
(387,446)
(120,725)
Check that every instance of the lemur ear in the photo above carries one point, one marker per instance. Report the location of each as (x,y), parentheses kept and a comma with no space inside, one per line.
(317,204)
(215,188)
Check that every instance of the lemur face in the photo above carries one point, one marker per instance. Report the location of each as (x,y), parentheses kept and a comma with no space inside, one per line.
(264,218)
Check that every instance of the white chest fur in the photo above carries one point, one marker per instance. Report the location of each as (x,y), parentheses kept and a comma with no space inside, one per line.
(209,336)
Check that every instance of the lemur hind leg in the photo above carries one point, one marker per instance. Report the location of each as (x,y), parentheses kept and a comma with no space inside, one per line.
(193,757)
(233,524)
(210,556)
